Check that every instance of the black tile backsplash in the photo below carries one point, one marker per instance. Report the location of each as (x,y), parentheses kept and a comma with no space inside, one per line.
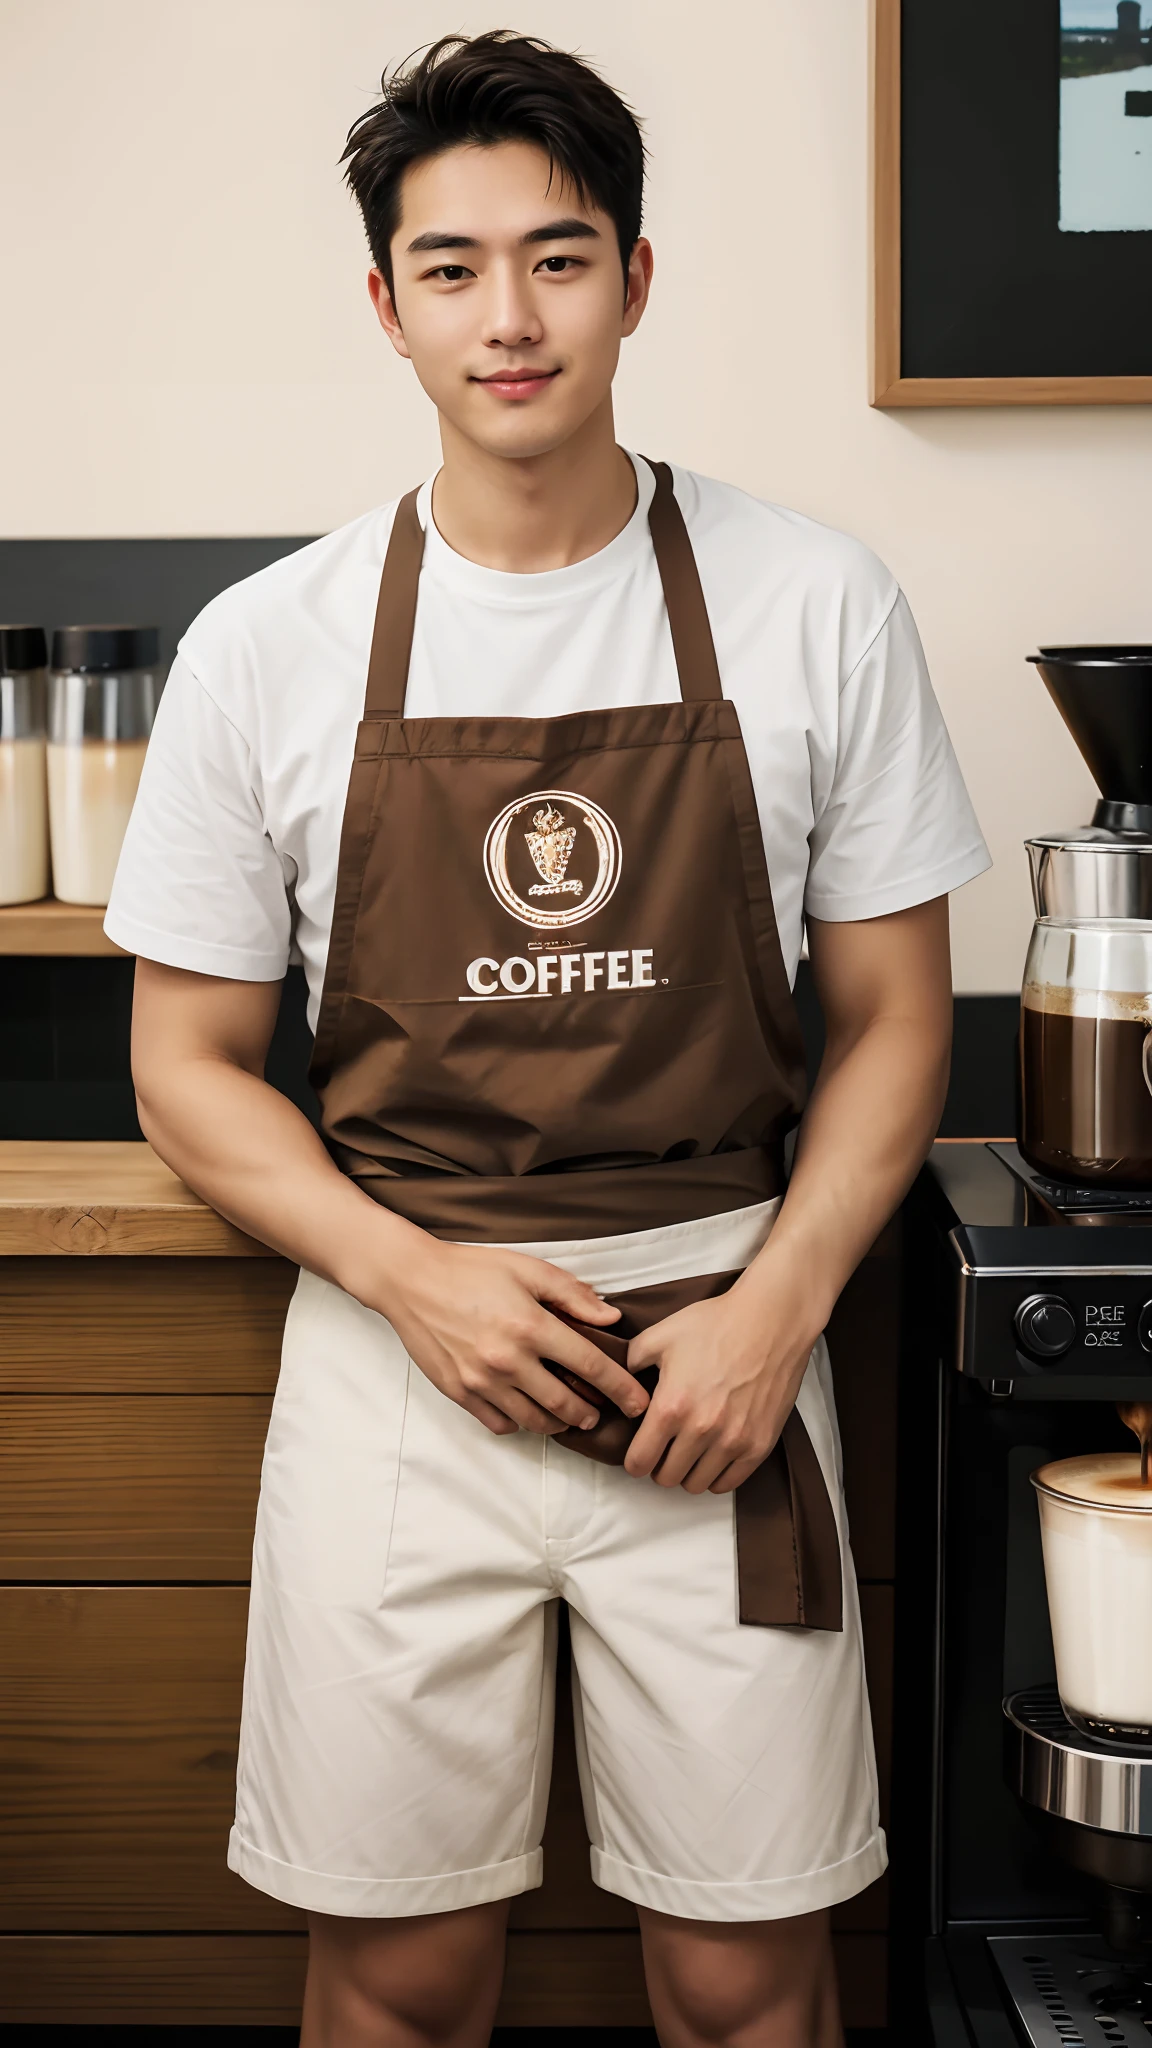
(140,582)
(65,1037)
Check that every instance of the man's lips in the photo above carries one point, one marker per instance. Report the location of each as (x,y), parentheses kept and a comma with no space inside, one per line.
(517,383)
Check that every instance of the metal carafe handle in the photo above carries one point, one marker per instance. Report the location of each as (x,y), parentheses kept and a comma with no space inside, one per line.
(1145,1055)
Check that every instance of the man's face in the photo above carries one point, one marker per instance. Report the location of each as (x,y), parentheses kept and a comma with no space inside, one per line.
(509,297)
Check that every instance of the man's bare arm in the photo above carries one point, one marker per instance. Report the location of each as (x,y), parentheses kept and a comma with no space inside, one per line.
(475,1321)
(885,987)
(730,1369)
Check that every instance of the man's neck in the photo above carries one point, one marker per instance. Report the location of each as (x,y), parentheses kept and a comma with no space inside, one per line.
(534,512)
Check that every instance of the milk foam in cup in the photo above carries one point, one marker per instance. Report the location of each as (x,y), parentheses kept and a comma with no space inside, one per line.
(1096,1528)
(103,692)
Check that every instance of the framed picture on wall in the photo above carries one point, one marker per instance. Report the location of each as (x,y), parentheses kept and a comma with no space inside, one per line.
(1012,203)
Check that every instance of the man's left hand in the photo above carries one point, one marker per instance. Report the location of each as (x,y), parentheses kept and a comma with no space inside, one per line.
(730,1371)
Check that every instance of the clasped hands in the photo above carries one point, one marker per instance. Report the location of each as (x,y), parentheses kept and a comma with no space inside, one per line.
(477,1323)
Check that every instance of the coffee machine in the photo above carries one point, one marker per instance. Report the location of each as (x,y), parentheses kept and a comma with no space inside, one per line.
(1023,1868)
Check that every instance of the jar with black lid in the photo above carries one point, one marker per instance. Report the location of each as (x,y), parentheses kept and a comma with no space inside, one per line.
(23,781)
(103,691)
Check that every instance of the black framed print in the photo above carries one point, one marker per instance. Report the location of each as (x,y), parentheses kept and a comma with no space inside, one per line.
(1012,203)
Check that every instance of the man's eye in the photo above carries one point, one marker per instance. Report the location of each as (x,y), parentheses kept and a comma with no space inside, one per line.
(556,263)
(452,272)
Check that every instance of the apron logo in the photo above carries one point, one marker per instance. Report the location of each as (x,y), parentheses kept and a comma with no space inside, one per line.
(535,850)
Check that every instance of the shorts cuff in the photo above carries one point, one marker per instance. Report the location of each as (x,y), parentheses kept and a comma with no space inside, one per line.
(382,1898)
(774,1898)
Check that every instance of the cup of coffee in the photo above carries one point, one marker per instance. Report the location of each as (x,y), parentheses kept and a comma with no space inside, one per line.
(1096,1529)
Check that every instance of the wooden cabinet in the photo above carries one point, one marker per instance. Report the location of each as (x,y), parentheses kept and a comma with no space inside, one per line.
(139,1346)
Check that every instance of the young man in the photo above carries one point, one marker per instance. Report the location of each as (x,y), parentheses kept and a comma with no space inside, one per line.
(623,730)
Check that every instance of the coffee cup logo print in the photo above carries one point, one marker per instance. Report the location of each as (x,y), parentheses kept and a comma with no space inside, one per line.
(552,858)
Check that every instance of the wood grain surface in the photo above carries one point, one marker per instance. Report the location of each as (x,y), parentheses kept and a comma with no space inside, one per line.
(884,69)
(98,1198)
(127,1486)
(119,1326)
(75,929)
(159,1980)
(574,1979)
(118,1720)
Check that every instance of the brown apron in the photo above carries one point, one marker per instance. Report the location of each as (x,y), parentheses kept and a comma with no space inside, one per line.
(555,1004)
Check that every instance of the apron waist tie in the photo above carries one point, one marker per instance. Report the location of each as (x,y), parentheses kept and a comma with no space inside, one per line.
(788,1559)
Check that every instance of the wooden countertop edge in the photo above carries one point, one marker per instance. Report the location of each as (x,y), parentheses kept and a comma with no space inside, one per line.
(139,1230)
(106,1199)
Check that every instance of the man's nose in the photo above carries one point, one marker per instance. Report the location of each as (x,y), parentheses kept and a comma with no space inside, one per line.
(511,316)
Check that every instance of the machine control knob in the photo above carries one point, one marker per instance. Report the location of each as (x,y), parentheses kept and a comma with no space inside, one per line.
(1045,1325)
(1144,1327)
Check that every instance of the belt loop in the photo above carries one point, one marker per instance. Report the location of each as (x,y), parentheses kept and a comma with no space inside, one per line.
(370,737)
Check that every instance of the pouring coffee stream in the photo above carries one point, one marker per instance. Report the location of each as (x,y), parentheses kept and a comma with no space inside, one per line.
(1137,1416)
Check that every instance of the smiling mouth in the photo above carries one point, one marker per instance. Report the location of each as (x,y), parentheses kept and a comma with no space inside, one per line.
(517,383)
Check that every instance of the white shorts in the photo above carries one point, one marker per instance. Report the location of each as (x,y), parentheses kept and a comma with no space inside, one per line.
(398,1695)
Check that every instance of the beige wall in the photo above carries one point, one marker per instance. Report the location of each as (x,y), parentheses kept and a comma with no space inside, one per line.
(187,347)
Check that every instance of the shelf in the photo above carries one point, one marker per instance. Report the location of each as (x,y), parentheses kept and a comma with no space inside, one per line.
(52,927)
(102,1197)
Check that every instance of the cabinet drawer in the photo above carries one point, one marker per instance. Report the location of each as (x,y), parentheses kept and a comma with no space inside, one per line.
(118,1719)
(172,1326)
(129,1486)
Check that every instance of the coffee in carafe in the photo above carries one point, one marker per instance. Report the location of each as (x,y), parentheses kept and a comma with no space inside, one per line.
(1086,1054)
(1086,1007)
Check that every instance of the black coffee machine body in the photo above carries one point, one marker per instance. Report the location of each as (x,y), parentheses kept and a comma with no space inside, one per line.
(1023,1880)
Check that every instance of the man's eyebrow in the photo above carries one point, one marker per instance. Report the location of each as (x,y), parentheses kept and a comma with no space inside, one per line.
(436,239)
(571,230)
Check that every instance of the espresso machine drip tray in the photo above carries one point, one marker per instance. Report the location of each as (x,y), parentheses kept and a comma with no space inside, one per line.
(1067,1993)
(1096,1783)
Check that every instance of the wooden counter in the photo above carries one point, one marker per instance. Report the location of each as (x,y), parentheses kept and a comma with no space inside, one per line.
(139,1347)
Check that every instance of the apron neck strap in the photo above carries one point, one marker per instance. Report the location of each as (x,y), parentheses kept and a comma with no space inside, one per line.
(692,641)
(395,614)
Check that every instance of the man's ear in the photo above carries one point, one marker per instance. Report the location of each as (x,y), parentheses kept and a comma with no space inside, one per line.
(637,284)
(386,312)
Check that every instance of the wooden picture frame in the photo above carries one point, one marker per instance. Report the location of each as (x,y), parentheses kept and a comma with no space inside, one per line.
(889,387)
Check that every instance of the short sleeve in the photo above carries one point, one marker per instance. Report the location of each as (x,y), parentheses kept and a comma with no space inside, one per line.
(898,827)
(199,884)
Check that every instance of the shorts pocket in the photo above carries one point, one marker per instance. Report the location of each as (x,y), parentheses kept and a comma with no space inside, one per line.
(328,1485)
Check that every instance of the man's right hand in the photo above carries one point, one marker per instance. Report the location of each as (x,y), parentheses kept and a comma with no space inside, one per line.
(476,1322)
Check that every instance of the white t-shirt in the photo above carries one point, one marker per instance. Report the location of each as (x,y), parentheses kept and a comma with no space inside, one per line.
(229,862)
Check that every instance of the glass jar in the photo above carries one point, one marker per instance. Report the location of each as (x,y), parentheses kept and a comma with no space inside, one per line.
(23,778)
(1086,1012)
(103,691)
(1096,1529)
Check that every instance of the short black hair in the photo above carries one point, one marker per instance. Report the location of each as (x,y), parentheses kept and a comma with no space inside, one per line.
(497,87)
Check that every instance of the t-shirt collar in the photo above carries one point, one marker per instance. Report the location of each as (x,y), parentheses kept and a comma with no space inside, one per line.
(577,580)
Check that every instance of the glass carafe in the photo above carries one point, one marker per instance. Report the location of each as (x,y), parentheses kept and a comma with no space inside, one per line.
(1086,1012)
